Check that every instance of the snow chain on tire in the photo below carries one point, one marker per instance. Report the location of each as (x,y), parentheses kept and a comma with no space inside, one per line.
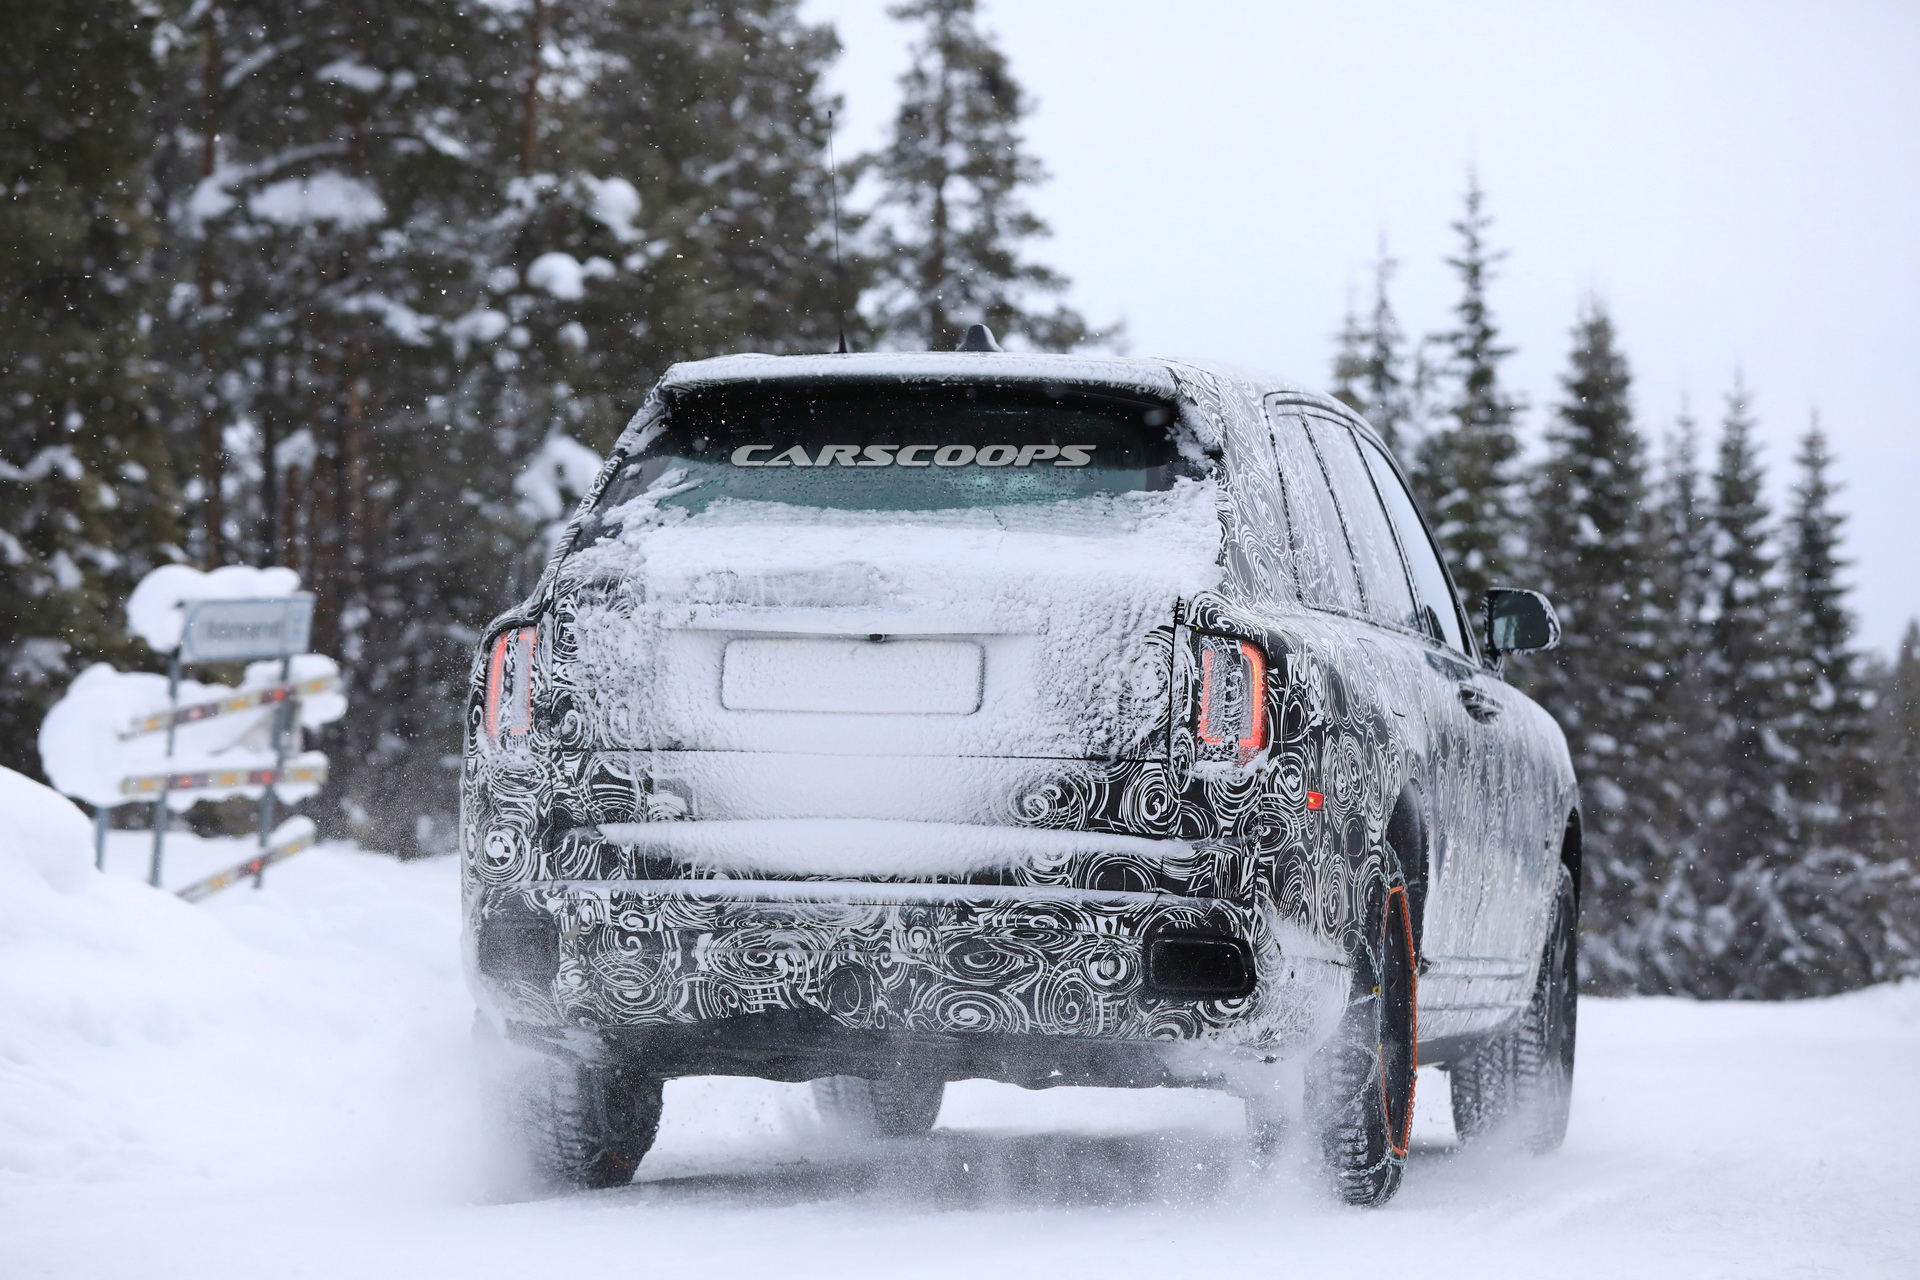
(1360,1083)
(1519,1086)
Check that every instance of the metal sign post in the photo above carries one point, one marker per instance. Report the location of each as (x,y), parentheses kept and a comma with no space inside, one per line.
(267,796)
(160,811)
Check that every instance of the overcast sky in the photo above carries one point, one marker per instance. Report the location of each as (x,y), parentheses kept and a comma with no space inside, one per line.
(1740,182)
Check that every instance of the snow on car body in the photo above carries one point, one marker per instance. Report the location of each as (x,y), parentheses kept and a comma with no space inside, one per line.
(1045,719)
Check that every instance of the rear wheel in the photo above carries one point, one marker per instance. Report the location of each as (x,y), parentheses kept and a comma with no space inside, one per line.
(1360,1083)
(892,1106)
(574,1125)
(1519,1086)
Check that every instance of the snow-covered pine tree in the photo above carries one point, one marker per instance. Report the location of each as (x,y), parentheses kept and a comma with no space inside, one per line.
(1350,360)
(1370,371)
(951,219)
(1465,470)
(85,502)
(1680,743)
(1835,779)
(1591,529)
(1898,748)
(670,201)
(1850,905)
(1747,940)
(328,175)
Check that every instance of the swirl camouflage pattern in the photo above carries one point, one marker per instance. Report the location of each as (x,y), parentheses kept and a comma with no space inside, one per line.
(1082,811)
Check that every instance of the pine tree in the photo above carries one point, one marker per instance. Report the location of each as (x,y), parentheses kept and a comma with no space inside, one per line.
(1835,779)
(1590,505)
(1465,472)
(85,504)
(416,242)
(1680,735)
(329,174)
(1747,936)
(670,201)
(1848,902)
(952,221)
(1898,749)
(1369,372)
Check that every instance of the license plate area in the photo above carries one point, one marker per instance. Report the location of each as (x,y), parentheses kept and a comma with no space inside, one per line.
(851,675)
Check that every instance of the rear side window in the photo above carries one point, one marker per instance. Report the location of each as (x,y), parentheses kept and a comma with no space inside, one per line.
(1376,553)
(1324,564)
(889,447)
(1441,619)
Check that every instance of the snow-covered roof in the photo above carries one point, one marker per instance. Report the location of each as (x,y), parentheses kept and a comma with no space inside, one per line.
(1136,373)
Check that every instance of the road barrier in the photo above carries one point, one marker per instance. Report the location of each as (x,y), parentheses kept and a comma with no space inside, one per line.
(154,784)
(292,836)
(247,701)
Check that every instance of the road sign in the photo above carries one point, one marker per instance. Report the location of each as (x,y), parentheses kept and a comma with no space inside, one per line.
(154,784)
(294,835)
(246,700)
(237,630)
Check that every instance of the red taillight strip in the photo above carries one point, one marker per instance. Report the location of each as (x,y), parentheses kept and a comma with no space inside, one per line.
(509,709)
(1206,696)
(1233,688)
(496,668)
(1256,739)
(524,720)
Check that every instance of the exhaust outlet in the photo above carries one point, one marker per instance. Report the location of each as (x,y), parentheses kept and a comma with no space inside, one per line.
(1199,967)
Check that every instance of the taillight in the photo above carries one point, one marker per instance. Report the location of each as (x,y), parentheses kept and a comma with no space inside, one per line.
(1232,722)
(510,685)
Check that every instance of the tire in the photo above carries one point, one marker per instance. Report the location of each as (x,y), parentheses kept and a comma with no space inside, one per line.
(1518,1087)
(572,1125)
(1360,1083)
(891,1107)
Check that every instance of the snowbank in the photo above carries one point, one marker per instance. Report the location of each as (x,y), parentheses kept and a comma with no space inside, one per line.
(47,845)
(142,1037)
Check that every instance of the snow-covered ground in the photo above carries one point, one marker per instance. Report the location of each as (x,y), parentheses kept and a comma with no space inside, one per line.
(274,1084)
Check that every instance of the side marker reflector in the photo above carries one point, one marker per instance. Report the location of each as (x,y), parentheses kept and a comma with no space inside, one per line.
(1315,800)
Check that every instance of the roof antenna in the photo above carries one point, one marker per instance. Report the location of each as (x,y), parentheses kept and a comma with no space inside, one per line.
(979,338)
(839,272)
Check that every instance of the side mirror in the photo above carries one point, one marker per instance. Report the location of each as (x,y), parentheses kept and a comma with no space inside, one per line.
(1520,621)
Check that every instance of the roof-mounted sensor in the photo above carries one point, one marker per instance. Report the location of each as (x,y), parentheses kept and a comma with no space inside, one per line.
(979,338)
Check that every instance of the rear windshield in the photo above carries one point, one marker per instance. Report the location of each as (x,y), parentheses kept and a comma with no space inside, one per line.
(902,448)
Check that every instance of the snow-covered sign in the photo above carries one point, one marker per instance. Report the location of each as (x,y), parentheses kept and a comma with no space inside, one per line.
(119,736)
(157,609)
(289,838)
(235,630)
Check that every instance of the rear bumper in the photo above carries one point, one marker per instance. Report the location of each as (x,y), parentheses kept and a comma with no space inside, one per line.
(846,972)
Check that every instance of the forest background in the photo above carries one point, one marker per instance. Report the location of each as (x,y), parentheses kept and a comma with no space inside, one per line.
(366,290)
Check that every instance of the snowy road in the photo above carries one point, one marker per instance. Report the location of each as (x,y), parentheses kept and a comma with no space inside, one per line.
(274,1085)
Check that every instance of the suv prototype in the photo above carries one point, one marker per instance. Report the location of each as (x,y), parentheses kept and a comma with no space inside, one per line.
(885,720)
